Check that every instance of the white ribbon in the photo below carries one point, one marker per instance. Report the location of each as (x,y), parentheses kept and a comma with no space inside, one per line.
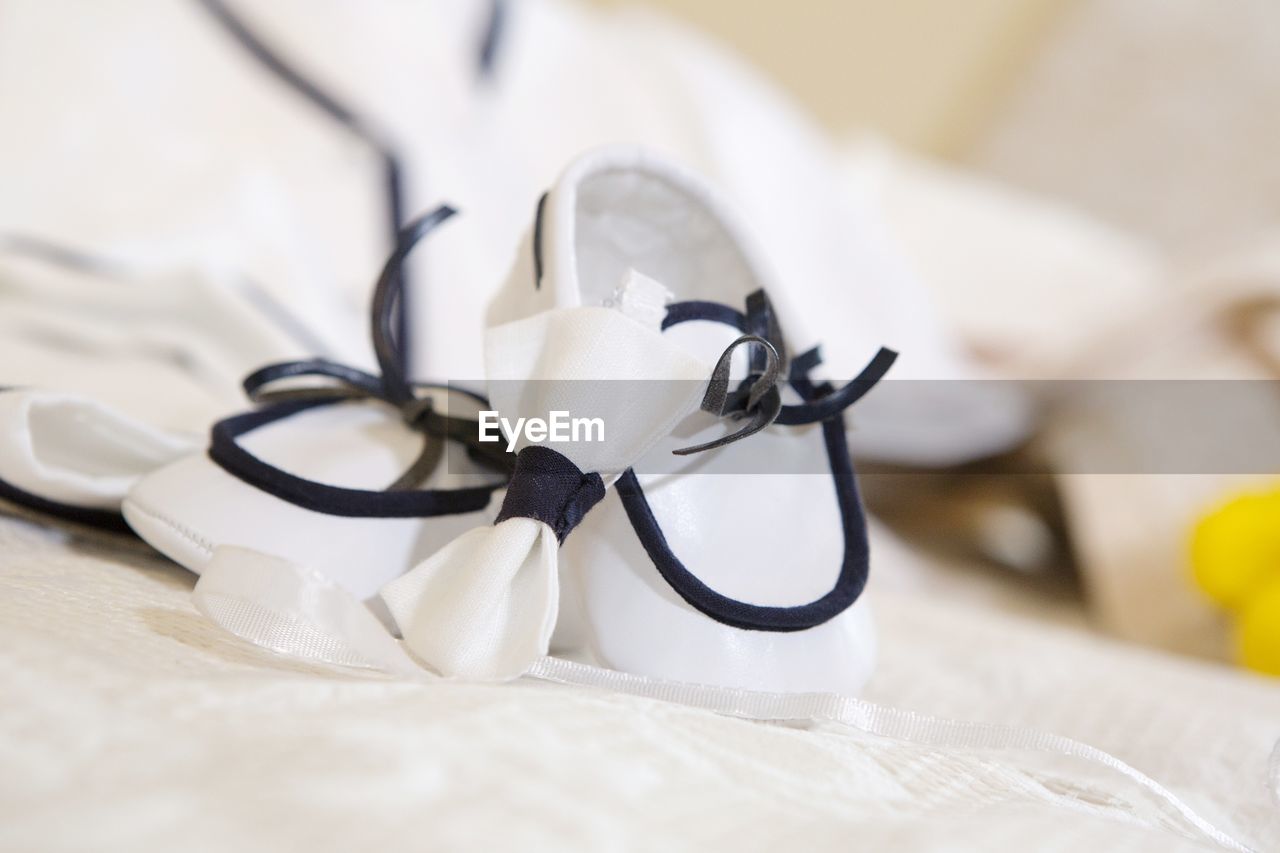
(1273,773)
(290,610)
(484,606)
(295,611)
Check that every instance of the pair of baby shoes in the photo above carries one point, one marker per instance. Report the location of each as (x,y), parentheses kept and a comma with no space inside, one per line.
(703,525)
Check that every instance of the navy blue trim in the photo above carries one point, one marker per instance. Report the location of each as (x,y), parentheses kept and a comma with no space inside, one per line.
(761,321)
(393,385)
(805,362)
(389,295)
(495,28)
(839,399)
(399,500)
(546,486)
(227,453)
(537,242)
(712,312)
(822,403)
(392,169)
(103,519)
(753,617)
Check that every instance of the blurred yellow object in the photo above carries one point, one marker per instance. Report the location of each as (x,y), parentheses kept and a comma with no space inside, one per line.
(1236,549)
(1235,558)
(1258,630)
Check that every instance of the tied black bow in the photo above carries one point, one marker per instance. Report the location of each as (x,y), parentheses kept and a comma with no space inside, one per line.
(392,387)
(757,397)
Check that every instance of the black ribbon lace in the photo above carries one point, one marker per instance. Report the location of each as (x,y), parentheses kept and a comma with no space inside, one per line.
(276,384)
(757,398)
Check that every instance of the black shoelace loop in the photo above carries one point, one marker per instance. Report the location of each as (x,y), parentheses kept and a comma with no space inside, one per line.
(757,396)
(342,382)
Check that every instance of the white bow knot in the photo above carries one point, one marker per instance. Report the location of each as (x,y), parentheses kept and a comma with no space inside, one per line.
(484,607)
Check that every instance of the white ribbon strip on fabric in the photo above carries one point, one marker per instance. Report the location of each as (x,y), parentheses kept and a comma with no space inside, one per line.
(295,611)
(484,607)
(1273,773)
(871,718)
(298,613)
(74,450)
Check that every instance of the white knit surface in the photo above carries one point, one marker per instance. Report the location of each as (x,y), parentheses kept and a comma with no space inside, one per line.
(130,723)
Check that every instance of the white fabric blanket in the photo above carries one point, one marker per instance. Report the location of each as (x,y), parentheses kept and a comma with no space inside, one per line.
(131,723)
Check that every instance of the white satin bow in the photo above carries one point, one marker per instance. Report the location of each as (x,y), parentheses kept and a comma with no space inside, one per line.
(484,606)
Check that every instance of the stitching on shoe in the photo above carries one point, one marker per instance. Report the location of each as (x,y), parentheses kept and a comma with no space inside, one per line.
(185,532)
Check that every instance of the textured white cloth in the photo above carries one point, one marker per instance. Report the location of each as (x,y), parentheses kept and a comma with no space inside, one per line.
(166,344)
(132,723)
(331,627)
